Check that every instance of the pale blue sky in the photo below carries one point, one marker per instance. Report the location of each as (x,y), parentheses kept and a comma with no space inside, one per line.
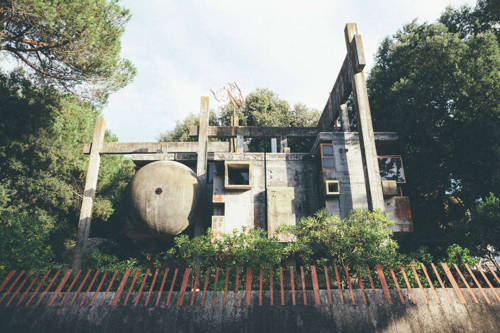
(183,48)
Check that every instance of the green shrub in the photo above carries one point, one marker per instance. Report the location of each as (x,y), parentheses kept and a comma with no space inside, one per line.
(363,238)
(24,242)
(245,249)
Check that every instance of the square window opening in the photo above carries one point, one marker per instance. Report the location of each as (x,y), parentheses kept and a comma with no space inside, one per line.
(332,187)
(238,174)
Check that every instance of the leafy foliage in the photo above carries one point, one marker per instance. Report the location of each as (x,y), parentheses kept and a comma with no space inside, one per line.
(437,85)
(485,227)
(252,249)
(42,169)
(67,43)
(24,242)
(262,108)
(363,238)
(180,133)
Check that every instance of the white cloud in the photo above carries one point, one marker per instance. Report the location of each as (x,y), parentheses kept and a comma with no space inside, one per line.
(184,48)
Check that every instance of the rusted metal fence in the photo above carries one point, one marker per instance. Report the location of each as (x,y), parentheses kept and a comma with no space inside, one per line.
(169,286)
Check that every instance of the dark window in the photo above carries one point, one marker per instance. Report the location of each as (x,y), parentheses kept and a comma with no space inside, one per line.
(238,174)
(212,171)
(327,157)
(333,187)
(391,168)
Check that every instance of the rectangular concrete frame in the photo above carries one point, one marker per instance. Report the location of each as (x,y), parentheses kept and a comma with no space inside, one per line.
(327,187)
(227,165)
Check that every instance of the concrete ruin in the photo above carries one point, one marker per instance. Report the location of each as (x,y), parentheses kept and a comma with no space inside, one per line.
(342,170)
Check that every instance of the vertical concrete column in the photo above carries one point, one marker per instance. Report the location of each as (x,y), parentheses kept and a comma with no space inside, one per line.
(201,164)
(89,193)
(367,139)
(284,145)
(274,145)
(344,118)
(201,168)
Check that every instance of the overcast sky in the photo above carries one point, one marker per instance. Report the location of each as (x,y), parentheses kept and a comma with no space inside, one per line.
(183,48)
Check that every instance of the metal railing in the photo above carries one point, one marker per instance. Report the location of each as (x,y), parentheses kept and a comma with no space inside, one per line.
(288,285)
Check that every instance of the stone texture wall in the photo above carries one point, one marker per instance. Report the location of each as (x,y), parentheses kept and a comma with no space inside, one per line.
(294,173)
(371,317)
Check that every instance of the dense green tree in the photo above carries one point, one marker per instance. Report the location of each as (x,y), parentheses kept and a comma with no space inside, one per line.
(485,228)
(438,88)
(42,169)
(262,108)
(67,43)
(24,243)
(485,16)
(363,238)
(181,130)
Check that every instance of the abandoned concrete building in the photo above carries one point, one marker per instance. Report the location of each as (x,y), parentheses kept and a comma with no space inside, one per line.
(215,182)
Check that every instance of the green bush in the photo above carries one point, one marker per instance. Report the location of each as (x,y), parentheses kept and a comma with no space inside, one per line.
(245,249)
(24,242)
(363,238)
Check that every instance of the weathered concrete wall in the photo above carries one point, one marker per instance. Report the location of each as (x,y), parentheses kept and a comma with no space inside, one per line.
(336,317)
(350,174)
(247,208)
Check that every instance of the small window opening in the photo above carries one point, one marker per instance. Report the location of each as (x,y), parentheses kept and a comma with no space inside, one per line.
(332,187)
(212,171)
(327,156)
(238,174)
(391,168)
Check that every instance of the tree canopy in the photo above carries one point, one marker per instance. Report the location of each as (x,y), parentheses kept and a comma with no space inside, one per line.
(263,107)
(42,169)
(68,44)
(437,85)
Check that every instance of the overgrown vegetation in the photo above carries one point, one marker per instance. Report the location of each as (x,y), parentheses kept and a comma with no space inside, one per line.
(361,239)
(263,107)
(437,86)
(42,170)
(68,44)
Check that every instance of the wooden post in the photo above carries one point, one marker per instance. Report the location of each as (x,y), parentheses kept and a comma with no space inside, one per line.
(366,136)
(89,193)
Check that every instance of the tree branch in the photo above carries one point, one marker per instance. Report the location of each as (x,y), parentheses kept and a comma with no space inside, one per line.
(34,42)
(38,69)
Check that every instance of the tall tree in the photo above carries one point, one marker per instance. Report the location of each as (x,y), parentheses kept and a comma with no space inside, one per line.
(263,107)
(69,44)
(42,169)
(438,87)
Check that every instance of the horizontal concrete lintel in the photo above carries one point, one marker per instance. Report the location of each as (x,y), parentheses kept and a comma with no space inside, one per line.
(155,147)
(256,131)
(218,156)
(331,136)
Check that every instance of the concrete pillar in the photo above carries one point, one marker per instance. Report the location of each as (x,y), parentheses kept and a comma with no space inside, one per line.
(344,118)
(274,145)
(284,145)
(89,193)
(201,168)
(367,139)
(201,165)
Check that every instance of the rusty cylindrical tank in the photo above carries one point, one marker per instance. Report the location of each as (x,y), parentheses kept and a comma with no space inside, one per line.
(164,197)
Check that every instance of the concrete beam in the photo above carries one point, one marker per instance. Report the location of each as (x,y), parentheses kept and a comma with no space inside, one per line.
(256,131)
(367,138)
(89,194)
(338,96)
(155,147)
